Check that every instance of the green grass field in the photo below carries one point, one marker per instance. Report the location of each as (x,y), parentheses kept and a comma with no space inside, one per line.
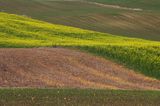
(141,55)
(76,97)
(141,24)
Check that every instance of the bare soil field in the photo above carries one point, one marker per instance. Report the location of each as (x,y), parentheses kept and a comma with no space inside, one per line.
(66,68)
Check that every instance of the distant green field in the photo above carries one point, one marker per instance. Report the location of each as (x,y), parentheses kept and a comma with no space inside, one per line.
(75,97)
(153,5)
(141,24)
(141,55)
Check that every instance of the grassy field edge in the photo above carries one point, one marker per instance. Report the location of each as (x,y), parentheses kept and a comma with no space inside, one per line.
(77,97)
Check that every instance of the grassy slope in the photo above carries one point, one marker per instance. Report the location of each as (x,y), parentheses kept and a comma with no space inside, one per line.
(153,5)
(143,24)
(142,55)
(73,97)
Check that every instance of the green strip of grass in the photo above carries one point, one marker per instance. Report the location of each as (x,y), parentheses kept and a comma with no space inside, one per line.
(77,97)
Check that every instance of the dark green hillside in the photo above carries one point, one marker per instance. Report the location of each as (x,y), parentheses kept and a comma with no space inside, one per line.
(153,5)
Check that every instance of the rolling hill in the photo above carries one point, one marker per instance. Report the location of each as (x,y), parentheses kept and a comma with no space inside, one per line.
(62,68)
(23,32)
(111,58)
(88,14)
